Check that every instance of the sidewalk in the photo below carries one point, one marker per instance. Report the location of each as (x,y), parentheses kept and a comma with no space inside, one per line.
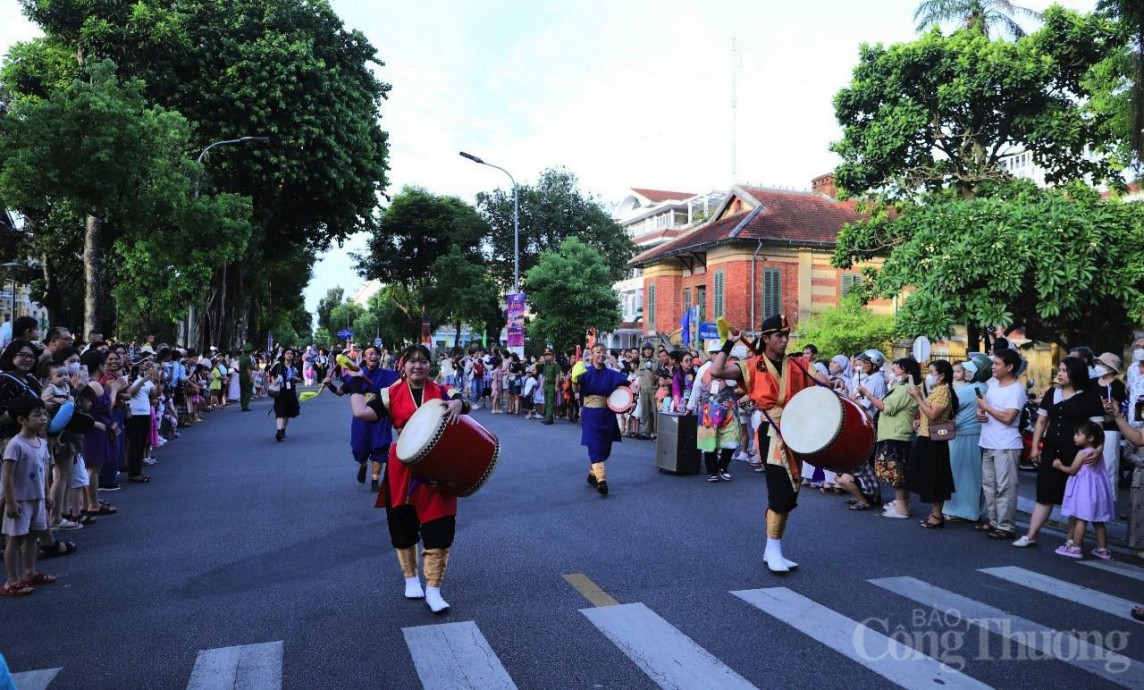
(1117,529)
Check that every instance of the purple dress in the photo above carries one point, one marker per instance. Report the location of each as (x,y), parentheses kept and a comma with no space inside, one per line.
(1088,494)
(96,443)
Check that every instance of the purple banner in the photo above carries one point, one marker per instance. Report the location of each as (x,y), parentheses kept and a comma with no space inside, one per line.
(515,312)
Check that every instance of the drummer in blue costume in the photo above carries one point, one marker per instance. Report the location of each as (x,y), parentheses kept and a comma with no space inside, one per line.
(370,441)
(598,425)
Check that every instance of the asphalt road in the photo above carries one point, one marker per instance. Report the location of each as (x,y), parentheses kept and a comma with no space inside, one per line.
(274,549)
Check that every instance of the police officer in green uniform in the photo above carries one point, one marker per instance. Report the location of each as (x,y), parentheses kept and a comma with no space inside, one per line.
(551,373)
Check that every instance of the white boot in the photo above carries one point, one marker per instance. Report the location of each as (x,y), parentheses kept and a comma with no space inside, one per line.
(413,588)
(433,598)
(773,557)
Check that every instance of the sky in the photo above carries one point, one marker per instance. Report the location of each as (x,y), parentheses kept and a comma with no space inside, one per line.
(623,93)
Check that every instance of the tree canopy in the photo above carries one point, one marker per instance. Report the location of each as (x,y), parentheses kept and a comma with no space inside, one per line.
(941,112)
(551,211)
(570,290)
(984,16)
(846,329)
(1063,264)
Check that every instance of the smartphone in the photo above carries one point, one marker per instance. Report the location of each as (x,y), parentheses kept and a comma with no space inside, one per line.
(978,392)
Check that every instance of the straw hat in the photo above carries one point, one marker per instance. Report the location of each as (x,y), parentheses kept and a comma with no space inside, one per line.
(1109,360)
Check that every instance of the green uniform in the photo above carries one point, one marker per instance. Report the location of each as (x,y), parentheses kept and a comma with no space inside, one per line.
(551,373)
(245,380)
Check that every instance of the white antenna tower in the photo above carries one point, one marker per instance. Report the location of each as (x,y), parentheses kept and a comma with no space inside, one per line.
(735,63)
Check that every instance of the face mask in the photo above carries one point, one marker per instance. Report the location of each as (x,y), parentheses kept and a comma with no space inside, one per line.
(1138,354)
(1093,373)
(931,381)
(1101,371)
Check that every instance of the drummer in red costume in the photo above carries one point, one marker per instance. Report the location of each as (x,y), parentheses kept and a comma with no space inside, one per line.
(599,428)
(772,379)
(416,511)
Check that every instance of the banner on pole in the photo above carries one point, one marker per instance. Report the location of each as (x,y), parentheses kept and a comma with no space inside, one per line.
(515,306)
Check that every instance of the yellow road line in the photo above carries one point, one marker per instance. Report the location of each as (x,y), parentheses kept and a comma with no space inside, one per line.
(590,590)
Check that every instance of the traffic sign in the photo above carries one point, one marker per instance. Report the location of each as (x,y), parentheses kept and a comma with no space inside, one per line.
(345,334)
(377,342)
(708,331)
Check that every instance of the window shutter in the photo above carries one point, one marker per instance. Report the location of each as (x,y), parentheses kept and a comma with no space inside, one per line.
(650,316)
(718,294)
(772,292)
(686,299)
(849,280)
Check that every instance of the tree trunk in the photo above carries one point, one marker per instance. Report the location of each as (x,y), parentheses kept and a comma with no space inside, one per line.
(92,276)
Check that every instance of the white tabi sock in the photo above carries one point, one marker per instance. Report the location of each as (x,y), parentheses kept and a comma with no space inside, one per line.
(433,598)
(413,588)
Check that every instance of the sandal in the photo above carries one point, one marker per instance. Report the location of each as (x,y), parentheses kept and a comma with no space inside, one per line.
(1138,613)
(60,548)
(859,506)
(931,523)
(1000,534)
(984,527)
(1102,554)
(84,518)
(38,579)
(17,590)
(141,479)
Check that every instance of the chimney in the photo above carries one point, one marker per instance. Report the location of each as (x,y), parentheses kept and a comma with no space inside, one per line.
(824,184)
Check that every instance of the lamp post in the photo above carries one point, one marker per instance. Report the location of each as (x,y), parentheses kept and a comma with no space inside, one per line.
(240,140)
(515,220)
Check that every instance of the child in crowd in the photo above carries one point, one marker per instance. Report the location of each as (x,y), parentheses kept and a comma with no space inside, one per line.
(538,395)
(56,392)
(1088,494)
(496,385)
(25,498)
(526,391)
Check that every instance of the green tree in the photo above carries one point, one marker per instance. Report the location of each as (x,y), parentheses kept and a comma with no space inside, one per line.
(570,289)
(1118,81)
(941,112)
(468,296)
(430,249)
(287,69)
(344,315)
(983,16)
(96,149)
(848,328)
(1062,264)
(334,297)
(551,211)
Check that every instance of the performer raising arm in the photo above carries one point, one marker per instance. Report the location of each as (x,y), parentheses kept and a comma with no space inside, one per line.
(598,426)
(771,379)
(416,511)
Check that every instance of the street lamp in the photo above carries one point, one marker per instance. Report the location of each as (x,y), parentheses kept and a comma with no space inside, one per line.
(240,140)
(515,220)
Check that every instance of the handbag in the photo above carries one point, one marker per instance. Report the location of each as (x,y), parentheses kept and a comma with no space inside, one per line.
(275,387)
(942,431)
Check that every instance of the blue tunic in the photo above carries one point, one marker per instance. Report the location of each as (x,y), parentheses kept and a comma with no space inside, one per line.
(598,426)
(370,440)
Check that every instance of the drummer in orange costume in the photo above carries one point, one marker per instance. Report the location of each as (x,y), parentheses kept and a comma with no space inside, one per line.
(416,511)
(772,379)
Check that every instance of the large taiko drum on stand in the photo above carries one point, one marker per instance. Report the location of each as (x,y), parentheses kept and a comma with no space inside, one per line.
(827,430)
(458,458)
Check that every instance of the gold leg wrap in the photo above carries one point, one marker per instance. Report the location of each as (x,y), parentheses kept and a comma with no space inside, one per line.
(376,470)
(599,471)
(436,561)
(408,560)
(776,524)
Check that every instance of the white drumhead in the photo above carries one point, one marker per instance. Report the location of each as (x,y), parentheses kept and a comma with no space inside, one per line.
(621,399)
(811,420)
(420,431)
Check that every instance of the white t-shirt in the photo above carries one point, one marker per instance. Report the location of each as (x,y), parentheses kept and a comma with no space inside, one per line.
(529,385)
(141,401)
(994,434)
(31,458)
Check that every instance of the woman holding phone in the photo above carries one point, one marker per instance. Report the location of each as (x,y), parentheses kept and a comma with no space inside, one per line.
(966,504)
(1111,389)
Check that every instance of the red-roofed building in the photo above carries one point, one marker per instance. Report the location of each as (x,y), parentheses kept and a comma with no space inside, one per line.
(763,251)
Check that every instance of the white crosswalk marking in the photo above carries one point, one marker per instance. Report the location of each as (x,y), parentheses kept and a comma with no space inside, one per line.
(455,656)
(35,680)
(1065,590)
(671,659)
(1060,645)
(888,658)
(1132,571)
(245,667)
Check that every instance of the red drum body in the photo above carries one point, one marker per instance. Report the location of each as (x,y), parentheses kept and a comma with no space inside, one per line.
(823,428)
(621,400)
(457,458)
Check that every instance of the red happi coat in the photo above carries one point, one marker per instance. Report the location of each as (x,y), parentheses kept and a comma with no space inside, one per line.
(429,502)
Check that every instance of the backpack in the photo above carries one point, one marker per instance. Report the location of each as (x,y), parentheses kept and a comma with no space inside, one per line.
(478,368)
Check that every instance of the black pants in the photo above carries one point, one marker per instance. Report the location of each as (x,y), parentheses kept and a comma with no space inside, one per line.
(718,461)
(405,530)
(138,429)
(781,496)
